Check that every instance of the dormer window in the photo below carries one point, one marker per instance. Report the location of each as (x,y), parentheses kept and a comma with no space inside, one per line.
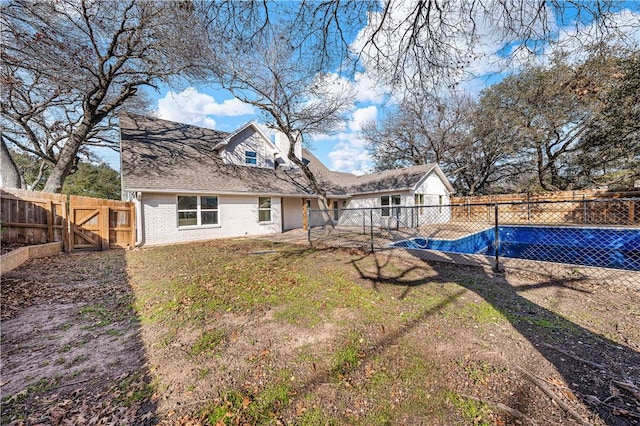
(251,157)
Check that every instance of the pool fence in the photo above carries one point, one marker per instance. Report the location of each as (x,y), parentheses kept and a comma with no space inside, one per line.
(568,239)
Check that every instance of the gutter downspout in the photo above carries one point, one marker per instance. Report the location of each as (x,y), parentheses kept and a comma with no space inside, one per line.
(137,199)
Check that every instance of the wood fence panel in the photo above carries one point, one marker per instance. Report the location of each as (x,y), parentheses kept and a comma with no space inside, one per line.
(588,207)
(99,224)
(32,217)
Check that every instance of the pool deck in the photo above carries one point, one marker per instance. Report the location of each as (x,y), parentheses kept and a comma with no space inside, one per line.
(452,230)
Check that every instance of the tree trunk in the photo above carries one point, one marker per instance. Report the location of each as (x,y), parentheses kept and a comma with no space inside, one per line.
(9,174)
(319,191)
(67,158)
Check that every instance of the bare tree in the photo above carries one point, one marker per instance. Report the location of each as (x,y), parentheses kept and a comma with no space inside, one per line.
(420,130)
(451,131)
(68,66)
(284,73)
(419,44)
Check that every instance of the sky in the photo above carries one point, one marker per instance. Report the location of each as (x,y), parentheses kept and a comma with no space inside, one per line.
(345,150)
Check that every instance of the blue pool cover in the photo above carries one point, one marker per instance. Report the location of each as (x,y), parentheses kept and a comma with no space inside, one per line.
(604,247)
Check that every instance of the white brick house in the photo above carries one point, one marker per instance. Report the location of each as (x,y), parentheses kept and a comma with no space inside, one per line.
(191,183)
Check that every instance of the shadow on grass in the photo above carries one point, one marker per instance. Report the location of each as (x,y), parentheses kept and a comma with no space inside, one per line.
(594,368)
(72,350)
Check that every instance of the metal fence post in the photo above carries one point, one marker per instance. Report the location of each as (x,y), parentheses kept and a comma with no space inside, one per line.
(496,243)
(364,222)
(584,208)
(371,227)
(309,226)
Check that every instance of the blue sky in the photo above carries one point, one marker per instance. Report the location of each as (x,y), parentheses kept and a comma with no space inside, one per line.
(345,151)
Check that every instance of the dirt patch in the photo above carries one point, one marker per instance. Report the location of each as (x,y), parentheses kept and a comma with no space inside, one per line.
(204,333)
(9,247)
(71,349)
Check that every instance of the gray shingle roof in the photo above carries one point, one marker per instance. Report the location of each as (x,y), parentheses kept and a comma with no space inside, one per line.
(164,156)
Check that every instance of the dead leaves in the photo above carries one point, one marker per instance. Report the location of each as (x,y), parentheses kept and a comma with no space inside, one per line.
(82,407)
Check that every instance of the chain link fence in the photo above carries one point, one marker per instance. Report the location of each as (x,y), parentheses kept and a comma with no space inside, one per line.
(596,239)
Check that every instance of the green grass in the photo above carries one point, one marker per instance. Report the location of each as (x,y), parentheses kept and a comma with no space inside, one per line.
(134,388)
(474,412)
(238,407)
(207,342)
(346,357)
(102,316)
(372,330)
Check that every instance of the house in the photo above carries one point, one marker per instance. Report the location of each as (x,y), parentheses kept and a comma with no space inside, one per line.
(190,183)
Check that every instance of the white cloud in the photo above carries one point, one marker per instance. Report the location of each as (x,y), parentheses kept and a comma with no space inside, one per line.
(362,116)
(369,89)
(193,107)
(350,156)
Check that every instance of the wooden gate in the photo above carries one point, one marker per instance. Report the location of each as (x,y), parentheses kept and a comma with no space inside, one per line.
(98,224)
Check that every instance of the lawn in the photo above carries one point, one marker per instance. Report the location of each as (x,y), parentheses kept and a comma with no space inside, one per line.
(257,332)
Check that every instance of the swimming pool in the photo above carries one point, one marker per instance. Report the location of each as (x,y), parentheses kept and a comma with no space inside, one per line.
(604,247)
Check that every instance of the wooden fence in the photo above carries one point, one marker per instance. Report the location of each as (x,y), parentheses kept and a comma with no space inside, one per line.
(81,223)
(588,207)
(30,217)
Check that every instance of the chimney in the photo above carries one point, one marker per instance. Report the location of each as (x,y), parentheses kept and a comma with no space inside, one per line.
(282,142)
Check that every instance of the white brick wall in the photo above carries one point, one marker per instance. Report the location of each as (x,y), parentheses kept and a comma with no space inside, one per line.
(237,216)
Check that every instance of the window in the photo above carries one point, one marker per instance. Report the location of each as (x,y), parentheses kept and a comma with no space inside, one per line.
(195,210)
(390,200)
(440,203)
(264,209)
(250,157)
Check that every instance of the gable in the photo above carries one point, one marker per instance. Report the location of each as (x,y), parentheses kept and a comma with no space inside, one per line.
(434,182)
(244,144)
(162,156)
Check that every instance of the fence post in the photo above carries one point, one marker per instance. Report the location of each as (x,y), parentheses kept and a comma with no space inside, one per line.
(529,207)
(308,215)
(50,217)
(105,218)
(371,227)
(496,239)
(584,208)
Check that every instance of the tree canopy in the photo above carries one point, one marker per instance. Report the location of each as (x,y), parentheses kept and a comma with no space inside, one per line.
(68,66)
(560,126)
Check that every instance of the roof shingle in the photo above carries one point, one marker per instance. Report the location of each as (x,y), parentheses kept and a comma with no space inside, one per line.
(164,156)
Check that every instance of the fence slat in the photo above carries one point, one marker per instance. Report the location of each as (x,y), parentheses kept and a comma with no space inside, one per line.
(32,217)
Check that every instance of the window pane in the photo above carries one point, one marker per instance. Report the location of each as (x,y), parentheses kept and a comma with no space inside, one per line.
(210,218)
(187,218)
(385,211)
(187,202)
(250,157)
(395,200)
(384,200)
(264,202)
(208,203)
(264,215)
